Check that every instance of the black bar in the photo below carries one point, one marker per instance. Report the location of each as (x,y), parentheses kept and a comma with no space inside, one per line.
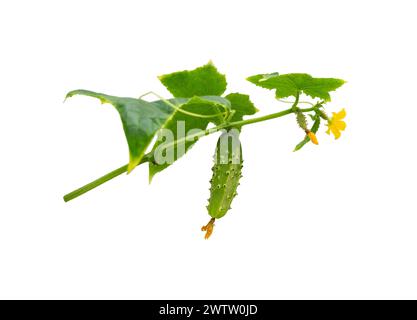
(204,309)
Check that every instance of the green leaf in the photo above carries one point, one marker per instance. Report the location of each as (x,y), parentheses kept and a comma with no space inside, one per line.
(206,105)
(320,87)
(141,120)
(242,106)
(260,80)
(203,81)
(291,84)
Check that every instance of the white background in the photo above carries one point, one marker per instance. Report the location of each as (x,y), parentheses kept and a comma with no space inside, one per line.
(333,221)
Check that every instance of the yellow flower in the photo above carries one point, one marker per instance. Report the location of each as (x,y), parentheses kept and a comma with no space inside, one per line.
(336,124)
(312,137)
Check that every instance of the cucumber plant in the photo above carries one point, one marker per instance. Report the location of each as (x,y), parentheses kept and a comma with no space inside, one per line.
(198,100)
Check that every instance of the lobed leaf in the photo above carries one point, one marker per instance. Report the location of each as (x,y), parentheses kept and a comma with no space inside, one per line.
(141,120)
(291,84)
(260,80)
(203,81)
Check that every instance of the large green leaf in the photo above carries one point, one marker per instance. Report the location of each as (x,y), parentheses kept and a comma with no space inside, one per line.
(180,124)
(203,81)
(291,84)
(141,120)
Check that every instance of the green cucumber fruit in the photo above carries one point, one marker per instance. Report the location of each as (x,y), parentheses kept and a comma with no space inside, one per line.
(227,171)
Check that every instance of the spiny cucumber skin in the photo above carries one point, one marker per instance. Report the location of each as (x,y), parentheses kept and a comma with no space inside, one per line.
(224,182)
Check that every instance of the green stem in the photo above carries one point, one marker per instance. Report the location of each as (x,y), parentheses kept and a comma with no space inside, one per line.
(90,186)
(76,193)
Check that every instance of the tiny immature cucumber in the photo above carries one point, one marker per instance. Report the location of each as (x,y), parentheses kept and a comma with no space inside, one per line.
(227,171)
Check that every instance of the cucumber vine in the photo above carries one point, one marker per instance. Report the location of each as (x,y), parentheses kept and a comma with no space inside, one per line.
(198,101)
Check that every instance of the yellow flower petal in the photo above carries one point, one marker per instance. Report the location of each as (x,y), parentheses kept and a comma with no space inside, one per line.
(335,132)
(341,125)
(340,115)
(335,124)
